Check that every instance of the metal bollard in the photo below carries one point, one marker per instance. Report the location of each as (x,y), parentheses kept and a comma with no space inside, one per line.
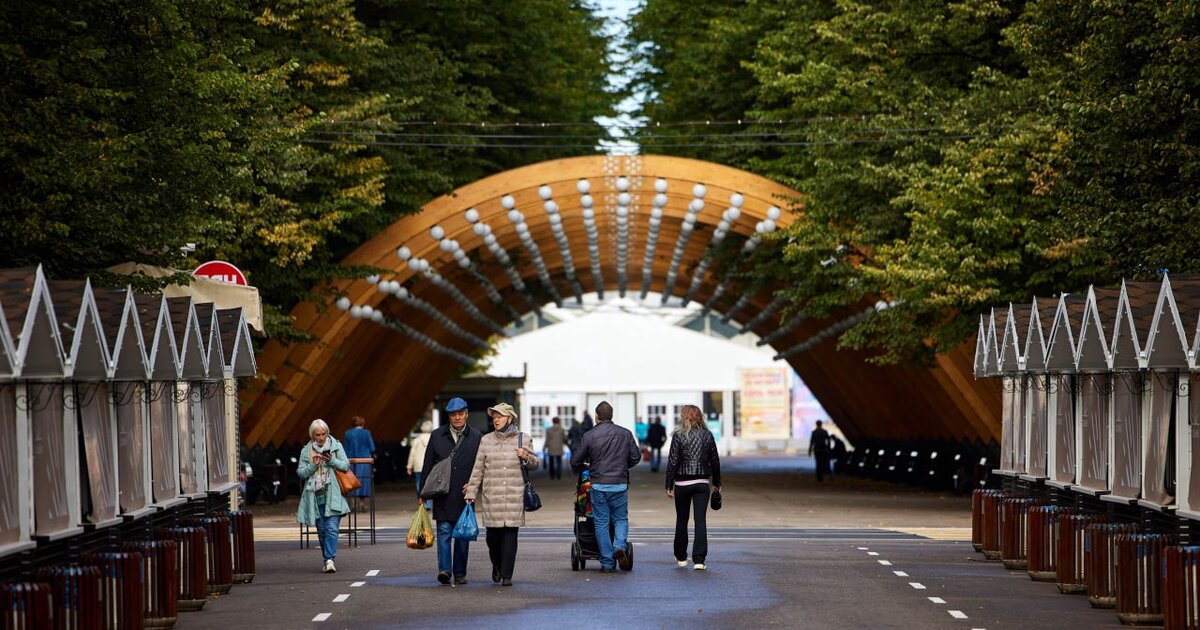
(75,593)
(1100,551)
(1014,514)
(192,564)
(160,590)
(1181,588)
(242,524)
(1042,540)
(25,605)
(121,584)
(220,552)
(1072,568)
(1139,577)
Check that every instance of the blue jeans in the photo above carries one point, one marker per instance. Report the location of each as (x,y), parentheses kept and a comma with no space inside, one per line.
(614,507)
(655,458)
(327,532)
(444,528)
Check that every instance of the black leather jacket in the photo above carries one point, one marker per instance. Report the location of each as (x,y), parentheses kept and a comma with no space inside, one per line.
(610,450)
(693,456)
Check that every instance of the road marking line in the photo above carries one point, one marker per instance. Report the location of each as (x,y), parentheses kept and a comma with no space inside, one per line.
(957,614)
(322,616)
(341,598)
(885,563)
(937,600)
(917,585)
(356,584)
(372,572)
(872,553)
(863,548)
(900,574)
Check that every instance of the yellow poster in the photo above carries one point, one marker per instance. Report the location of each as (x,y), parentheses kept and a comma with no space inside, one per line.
(766,403)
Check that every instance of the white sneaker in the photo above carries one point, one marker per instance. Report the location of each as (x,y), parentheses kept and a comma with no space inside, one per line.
(700,567)
(681,563)
(329,568)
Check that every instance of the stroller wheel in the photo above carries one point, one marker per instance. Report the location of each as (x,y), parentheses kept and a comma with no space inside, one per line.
(575,557)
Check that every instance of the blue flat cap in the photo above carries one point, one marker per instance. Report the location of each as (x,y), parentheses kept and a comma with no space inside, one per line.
(455,404)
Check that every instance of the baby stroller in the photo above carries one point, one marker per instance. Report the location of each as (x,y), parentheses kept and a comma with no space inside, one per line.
(585,546)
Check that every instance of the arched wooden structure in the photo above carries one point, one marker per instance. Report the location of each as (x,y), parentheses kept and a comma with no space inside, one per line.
(359,367)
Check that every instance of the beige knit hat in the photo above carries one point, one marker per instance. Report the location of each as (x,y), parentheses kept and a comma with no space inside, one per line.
(503,409)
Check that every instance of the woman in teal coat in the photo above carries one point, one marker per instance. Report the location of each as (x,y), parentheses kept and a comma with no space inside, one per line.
(322,503)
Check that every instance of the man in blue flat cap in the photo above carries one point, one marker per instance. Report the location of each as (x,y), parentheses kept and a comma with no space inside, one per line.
(461,442)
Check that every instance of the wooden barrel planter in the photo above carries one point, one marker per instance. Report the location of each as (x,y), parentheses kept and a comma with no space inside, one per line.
(25,605)
(1181,588)
(1100,553)
(1071,571)
(191,561)
(160,588)
(242,524)
(1140,576)
(1042,540)
(75,594)
(990,525)
(121,579)
(220,551)
(1014,516)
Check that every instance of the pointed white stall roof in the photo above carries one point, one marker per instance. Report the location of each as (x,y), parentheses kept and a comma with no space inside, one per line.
(156,325)
(995,334)
(82,330)
(1068,322)
(1132,326)
(34,325)
(188,340)
(617,352)
(1185,295)
(8,354)
(1041,320)
(210,336)
(1012,346)
(1092,353)
(981,350)
(235,339)
(1166,346)
(127,348)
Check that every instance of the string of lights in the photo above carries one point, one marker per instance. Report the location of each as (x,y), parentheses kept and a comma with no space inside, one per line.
(672,145)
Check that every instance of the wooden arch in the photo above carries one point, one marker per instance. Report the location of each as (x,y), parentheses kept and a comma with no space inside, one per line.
(358,367)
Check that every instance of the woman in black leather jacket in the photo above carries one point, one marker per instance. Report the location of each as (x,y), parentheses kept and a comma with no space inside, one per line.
(693,473)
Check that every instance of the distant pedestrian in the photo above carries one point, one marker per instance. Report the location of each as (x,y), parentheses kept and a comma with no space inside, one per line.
(838,453)
(417,445)
(462,442)
(693,473)
(321,502)
(656,437)
(555,439)
(360,445)
(609,451)
(497,482)
(587,423)
(575,436)
(818,445)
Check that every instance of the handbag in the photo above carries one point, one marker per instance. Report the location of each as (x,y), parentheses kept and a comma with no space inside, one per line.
(347,480)
(715,500)
(467,528)
(533,502)
(437,482)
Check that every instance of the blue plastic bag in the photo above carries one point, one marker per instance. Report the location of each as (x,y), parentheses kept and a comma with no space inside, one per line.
(466,528)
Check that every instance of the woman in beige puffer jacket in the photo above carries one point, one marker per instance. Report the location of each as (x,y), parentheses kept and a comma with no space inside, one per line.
(497,482)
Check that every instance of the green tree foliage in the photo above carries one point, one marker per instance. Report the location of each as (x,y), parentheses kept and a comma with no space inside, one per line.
(277,135)
(952,155)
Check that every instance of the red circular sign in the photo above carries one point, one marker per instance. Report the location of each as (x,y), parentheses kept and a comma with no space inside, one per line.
(221,271)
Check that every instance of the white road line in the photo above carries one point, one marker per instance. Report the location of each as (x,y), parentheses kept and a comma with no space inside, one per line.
(356,584)
(872,553)
(957,614)
(322,616)
(863,548)
(372,572)
(900,574)
(341,598)
(937,600)
(917,585)
(885,563)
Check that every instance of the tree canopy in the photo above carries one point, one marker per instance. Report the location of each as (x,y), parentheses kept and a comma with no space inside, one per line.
(952,155)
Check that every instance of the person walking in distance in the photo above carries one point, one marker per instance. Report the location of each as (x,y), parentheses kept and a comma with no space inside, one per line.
(818,445)
(461,442)
(417,445)
(693,473)
(609,451)
(496,481)
(555,439)
(359,445)
(321,502)
(656,437)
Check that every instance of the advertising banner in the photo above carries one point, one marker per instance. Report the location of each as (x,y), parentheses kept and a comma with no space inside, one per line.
(766,403)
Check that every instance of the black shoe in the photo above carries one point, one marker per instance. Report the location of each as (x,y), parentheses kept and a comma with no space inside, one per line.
(460,581)
(506,582)
(444,577)
(603,570)
(495,573)
(623,559)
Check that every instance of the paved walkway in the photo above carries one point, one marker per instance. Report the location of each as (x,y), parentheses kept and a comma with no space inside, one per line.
(784,552)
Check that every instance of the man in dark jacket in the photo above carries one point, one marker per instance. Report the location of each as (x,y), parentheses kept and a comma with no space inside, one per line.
(818,444)
(463,442)
(609,451)
(656,437)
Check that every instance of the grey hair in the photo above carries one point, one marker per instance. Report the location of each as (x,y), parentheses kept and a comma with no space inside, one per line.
(317,424)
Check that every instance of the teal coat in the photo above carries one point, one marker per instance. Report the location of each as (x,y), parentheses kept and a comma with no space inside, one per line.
(335,503)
